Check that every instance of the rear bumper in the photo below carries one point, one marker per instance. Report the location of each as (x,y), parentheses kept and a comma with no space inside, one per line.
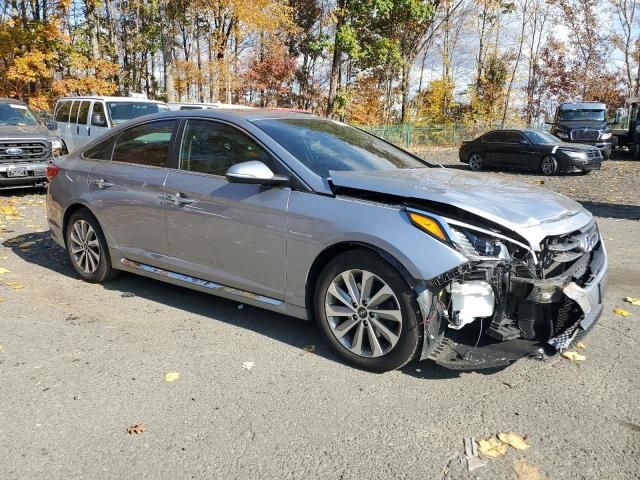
(36,174)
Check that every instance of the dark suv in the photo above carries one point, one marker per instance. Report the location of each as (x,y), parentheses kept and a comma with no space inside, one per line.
(27,145)
(584,122)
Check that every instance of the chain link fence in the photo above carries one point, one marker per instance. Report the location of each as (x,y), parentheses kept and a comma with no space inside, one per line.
(411,136)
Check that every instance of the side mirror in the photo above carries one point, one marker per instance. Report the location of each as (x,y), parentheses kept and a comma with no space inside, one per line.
(254,172)
(51,125)
(98,120)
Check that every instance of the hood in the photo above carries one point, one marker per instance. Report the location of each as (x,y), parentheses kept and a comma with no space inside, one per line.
(576,147)
(25,131)
(571,124)
(511,204)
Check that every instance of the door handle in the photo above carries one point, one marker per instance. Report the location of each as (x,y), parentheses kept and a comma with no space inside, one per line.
(102,184)
(88,131)
(179,199)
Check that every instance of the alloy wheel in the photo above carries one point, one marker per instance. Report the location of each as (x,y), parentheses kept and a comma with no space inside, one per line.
(85,248)
(548,165)
(363,313)
(475,162)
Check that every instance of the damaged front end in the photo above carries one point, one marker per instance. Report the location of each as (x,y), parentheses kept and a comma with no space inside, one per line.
(511,299)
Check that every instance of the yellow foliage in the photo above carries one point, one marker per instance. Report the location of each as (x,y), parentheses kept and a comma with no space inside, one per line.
(436,102)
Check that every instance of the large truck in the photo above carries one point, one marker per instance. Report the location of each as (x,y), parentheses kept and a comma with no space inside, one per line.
(584,122)
(629,136)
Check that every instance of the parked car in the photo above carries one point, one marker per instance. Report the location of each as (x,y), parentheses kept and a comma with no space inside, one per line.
(81,119)
(529,150)
(206,106)
(27,145)
(394,257)
(585,123)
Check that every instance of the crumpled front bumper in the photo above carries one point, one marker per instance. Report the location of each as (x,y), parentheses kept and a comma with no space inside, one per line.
(474,349)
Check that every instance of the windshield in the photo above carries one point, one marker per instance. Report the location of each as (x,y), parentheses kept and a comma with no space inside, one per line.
(122,111)
(581,114)
(541,138)
(324,145)
(16,114)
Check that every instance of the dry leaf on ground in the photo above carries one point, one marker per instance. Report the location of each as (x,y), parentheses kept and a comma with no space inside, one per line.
(581,345)
(4,270)
(632,300)
(573,356)
(621,312)
(492,447)
(2,299)
(26,244)
(248,365)
(309,348)
(14,285)
(137,428)
(516,441)
(526,471)
(171,376)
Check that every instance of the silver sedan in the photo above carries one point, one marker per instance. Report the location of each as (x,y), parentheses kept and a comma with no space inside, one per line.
(393,257)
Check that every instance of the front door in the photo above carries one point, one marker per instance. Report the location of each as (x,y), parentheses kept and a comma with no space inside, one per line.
(232,234)
(128,191)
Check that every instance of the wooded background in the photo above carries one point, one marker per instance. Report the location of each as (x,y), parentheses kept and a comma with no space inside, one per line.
(437,62)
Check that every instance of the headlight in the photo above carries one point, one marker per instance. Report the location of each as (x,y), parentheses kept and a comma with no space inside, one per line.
(578,155)
(562,135)
(58,148)
(605,136)
(474,244)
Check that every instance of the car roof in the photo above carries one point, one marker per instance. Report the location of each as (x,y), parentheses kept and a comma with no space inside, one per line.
(583,106)
(250,114)
(11,100)
(109,99)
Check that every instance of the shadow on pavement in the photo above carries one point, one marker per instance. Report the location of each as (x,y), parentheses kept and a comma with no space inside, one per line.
(613,210)
(44,252)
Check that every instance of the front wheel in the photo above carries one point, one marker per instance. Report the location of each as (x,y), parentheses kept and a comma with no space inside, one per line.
(87,248)
(367,312)
(549,166)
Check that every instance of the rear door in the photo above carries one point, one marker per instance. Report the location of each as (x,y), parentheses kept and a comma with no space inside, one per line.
(230,233)
(128,194)
(495,148)
(82,127)
(98,124)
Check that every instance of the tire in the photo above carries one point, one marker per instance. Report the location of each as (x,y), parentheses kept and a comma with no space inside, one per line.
(476,163)
(386,342)
(606,155)
(87,248)
(549,166)
(635,151)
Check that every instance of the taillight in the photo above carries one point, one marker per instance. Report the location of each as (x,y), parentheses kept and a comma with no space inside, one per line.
(52,171)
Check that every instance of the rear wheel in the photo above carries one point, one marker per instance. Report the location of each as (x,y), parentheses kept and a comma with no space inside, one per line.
(549,166)
(367,312)
(87,248)
(635,151)
(475,162)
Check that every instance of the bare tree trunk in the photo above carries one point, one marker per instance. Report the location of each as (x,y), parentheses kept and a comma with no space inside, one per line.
(524,5)
(335,62)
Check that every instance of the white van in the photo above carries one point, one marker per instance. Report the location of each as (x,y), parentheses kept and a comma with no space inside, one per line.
(81,119)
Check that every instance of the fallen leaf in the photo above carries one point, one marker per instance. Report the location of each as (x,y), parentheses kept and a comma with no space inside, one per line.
(632,300)
(137,428)
(526,471)
(492,447)
(171,376)
(2,299)
(573,356)
(26,244)
(4,270)
(248,365)
(9,211)
(14,285)
(621,312)
(309,348)
(516,441)
(581,346)
(4,257)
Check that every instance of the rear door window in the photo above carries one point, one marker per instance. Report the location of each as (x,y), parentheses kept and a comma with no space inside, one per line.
(83,112)
(62,114)
(74,111)
(495,137)
(146,144)
(101,151)
(98,117)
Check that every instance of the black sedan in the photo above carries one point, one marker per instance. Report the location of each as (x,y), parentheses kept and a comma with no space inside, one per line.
(530,150)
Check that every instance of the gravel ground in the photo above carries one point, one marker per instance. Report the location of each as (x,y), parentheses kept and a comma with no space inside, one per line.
(80,363)
(613,191)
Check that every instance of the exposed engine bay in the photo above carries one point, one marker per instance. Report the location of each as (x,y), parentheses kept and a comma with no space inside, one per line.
(507,302)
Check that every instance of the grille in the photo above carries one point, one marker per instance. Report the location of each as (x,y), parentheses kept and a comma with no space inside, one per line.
(11,151)
(585,135)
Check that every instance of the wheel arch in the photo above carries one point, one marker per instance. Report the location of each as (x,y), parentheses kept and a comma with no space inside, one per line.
(329,253)
(70,210)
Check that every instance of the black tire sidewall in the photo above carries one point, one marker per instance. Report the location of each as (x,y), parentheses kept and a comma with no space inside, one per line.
(481,162)
(555,166)
(410,336)
(104,270)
